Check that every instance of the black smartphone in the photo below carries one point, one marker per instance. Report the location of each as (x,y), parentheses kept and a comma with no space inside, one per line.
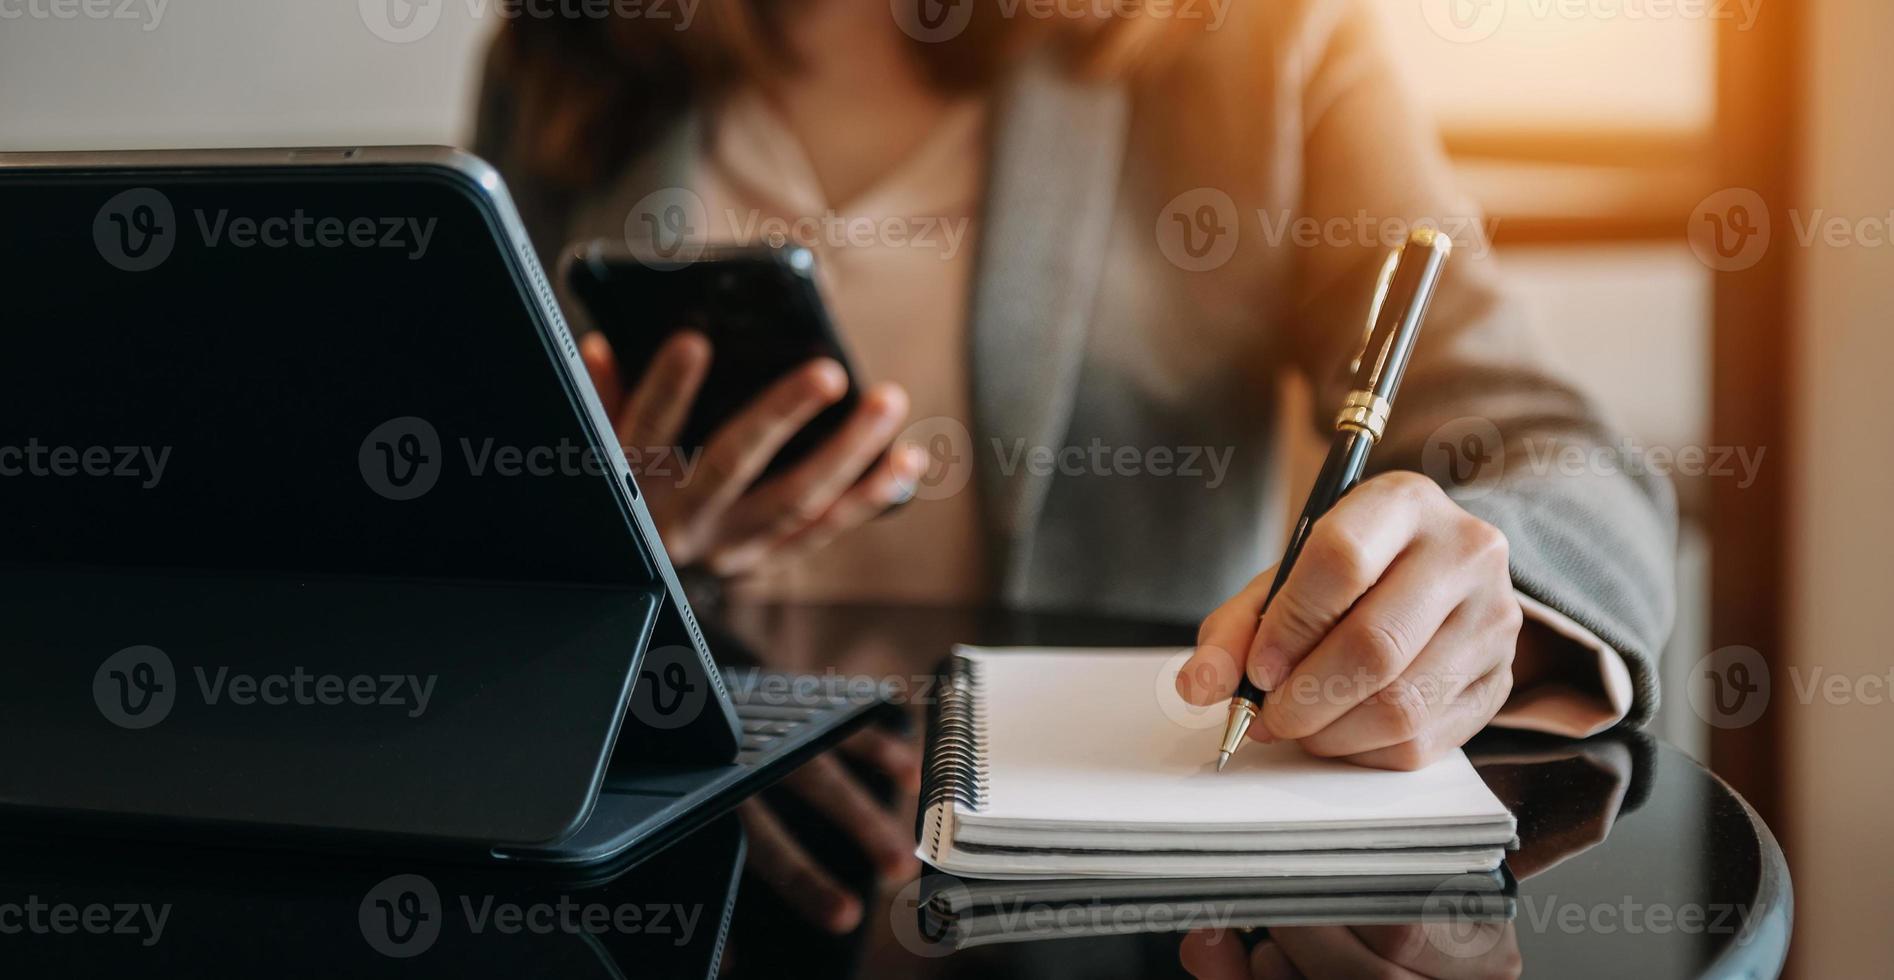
(758,306)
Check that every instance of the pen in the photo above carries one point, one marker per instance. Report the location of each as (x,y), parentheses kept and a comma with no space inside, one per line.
(1405,287)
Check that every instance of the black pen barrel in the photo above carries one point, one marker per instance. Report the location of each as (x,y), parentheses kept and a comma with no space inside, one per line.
(1341,470)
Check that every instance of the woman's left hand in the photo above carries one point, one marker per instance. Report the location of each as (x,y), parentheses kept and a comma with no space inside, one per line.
(1392,640)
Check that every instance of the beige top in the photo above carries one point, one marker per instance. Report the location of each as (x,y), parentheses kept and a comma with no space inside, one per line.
(894,265)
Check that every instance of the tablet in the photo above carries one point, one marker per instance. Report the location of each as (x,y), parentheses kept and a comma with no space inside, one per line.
(314,526)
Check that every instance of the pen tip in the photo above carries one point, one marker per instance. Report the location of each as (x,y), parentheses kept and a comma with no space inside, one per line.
(1223,759)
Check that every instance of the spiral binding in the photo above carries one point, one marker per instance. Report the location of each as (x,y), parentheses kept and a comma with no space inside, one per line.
(954,766)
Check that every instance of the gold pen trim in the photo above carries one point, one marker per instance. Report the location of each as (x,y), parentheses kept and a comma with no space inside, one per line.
(1365,412)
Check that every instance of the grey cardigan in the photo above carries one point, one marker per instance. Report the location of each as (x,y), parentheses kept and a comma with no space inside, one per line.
(1092,328)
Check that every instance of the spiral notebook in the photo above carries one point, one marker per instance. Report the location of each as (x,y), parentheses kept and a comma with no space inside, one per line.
(1086,763)
(966,913)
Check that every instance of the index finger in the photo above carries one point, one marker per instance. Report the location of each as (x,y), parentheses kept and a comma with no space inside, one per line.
(1347,551)
(1211,673)
(740,450)
(779,859)
(602,365)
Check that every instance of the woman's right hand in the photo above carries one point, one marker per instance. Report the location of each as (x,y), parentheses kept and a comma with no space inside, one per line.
(706,509)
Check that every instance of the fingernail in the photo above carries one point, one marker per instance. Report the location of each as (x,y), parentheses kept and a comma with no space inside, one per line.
(1189,687)
(844,914)
(830,378)
(891,399)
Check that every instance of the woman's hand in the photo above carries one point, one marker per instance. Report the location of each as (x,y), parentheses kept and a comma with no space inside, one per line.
(710,514)
(828,786)
(1392,640)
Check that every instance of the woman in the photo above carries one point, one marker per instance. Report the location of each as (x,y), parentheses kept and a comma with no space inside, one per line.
(1166,209)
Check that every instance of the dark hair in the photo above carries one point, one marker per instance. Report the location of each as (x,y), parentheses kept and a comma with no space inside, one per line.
(590,88)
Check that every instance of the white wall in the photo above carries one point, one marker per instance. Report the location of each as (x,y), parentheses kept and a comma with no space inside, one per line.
(1838,779)
(233,73)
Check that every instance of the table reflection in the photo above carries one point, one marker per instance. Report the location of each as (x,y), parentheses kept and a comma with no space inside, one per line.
(82,908)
